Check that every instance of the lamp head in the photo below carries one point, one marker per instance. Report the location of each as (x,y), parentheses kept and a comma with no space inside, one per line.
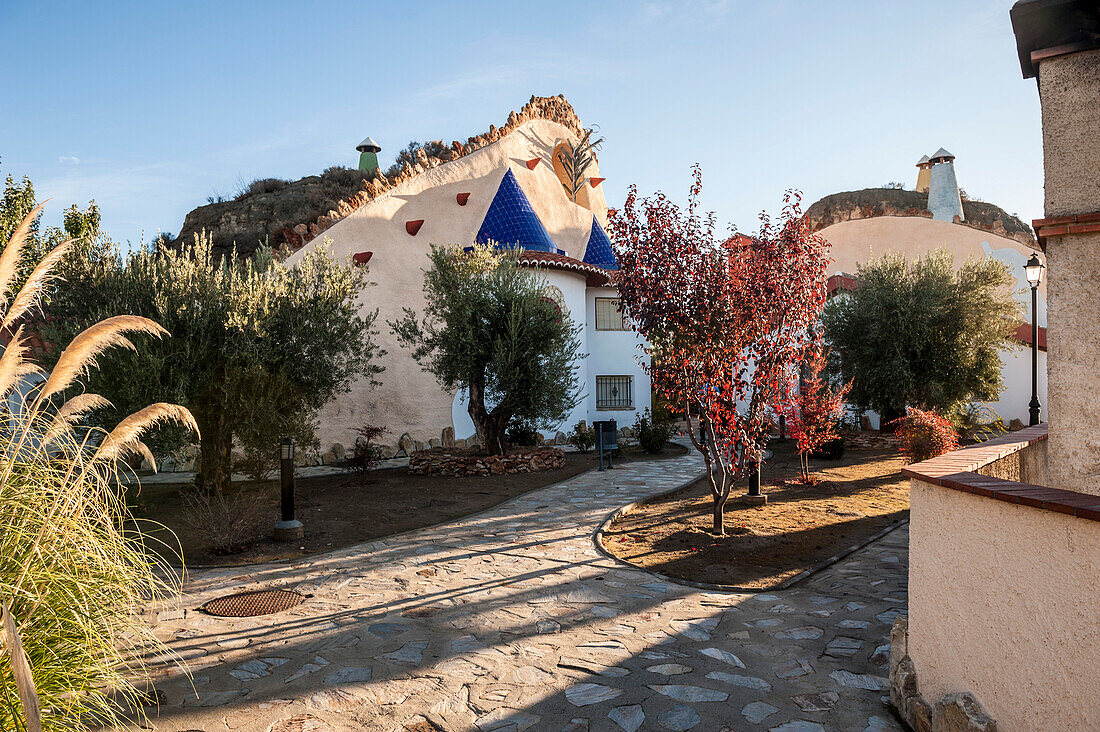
(1033,270)
(288,448)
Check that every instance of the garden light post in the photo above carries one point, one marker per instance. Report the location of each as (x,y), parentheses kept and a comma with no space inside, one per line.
(1033,270)
(288,528)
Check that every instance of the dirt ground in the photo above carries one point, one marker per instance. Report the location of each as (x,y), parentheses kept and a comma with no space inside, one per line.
(857,496)
(340,510)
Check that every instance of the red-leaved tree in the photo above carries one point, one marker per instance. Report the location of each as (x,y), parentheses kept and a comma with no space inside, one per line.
(814,412)
(725,319)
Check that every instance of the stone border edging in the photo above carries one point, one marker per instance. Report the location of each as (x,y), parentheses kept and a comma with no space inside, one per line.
(597,539)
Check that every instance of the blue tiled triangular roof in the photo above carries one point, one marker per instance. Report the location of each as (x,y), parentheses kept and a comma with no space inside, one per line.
(598,251)
(511,223)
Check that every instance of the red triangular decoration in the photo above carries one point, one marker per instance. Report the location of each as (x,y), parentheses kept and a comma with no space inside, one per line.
(413,226)
(595,181)
(361,258)
(462,198)
(533,163)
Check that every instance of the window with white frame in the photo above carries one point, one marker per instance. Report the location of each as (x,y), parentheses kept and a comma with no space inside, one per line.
(609,316)
(614,392)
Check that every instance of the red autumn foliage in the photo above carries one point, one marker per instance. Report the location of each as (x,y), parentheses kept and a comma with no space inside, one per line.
(924,435)
(726,319)
(814,412)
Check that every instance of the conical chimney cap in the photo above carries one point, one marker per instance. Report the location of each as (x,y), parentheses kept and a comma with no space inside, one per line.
(368,145)
(924,159)
(942,154)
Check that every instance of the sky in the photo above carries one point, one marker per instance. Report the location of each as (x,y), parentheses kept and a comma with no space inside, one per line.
(150,107)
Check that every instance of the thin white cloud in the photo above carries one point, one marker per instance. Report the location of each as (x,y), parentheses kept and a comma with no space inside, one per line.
(70,159)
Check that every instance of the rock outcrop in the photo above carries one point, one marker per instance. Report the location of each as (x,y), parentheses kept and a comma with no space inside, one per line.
(872,202)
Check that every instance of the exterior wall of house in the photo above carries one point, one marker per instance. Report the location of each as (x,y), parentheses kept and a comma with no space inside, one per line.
(614,353)
(1003,596)
(855,242)
(410,400)
(1069,87)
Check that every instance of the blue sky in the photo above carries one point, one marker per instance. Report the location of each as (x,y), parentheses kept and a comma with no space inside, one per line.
(150,107)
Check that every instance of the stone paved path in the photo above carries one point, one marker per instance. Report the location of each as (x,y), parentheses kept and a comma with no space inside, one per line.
(512,620)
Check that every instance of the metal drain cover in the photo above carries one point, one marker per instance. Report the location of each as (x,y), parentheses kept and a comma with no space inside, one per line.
(250,604)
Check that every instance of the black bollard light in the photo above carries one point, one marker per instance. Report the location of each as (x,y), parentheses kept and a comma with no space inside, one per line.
(754,496)
(288,528)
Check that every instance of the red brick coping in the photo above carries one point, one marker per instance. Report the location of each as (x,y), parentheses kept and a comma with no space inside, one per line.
(956,470)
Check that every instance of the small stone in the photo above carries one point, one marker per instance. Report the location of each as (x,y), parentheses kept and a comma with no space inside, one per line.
(853,624)
(724,656)
(548,626)
(880,724)
(843,647)
(334,700)
(682,692)
(669,669)
(301,723)
(680,718)
(798,725)
(410,653)
(749,682)
(630,717)
(961,712)
(757,711)
(860,681)
(696,630)
(794,669)
(818,702)
(802,632)
(349,675)
(582,695)
(881,655)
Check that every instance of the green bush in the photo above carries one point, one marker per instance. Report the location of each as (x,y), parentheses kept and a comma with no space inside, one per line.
(652,434)
(367,453)
(582,437)
(74,585)
(831,450)
(524,434)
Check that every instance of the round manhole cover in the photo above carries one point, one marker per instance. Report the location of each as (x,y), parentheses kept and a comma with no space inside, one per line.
(249,604)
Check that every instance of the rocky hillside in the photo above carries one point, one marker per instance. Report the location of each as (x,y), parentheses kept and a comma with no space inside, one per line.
(268,207)
(872,202)
(282,212)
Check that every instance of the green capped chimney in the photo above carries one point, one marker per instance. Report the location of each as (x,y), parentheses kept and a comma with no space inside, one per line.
(368,155)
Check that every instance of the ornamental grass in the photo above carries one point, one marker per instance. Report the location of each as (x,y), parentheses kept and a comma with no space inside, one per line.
(74,585)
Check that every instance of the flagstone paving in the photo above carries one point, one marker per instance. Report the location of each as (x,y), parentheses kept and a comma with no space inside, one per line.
(512,620)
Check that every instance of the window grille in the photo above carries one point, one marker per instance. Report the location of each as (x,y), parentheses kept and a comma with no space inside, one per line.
(614,392)
(608,314)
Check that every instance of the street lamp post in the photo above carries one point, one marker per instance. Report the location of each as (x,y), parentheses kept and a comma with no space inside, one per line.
(288,528)
(1033,270)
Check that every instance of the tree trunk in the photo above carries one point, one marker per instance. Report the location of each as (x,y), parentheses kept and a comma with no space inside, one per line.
(889,415)
(490,428)
(719,515)
(215,450)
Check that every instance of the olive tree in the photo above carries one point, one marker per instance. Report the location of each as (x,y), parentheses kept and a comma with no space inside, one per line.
(923,334)
(488,330)
(257,347)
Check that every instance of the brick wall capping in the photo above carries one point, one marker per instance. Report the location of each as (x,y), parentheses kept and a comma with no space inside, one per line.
(957,471)
(1086,223)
